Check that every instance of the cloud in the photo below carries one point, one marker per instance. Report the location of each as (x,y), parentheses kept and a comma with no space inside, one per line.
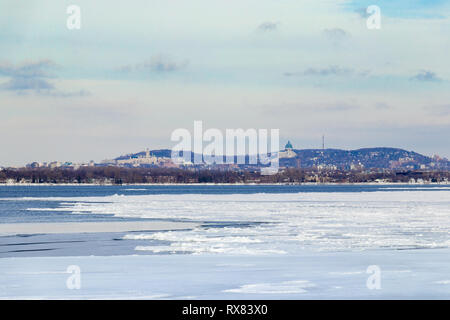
(336,34)
(323,72)
(67,94)
(156,64)
(362,12)
(268,26)
(32,77)
(31,69)
(427,76)
(310,108)
(338,106)
(22,83)
(441,110)
(382,106)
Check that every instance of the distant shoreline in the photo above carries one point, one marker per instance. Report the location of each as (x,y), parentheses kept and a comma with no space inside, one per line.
(173,176)
(221,184)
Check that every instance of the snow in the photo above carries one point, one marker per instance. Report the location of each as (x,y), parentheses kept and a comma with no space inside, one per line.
(285,222)
(315,245)
(405,274)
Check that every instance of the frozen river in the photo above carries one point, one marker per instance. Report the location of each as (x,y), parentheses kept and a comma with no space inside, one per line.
(239,242)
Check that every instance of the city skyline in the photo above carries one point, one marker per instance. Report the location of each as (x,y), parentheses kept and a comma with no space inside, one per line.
(149,153)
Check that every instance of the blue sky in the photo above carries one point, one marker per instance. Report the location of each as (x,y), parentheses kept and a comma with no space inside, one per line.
(136,71)
(408,9)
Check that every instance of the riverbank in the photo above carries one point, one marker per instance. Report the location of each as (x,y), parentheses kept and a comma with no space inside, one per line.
(227,184)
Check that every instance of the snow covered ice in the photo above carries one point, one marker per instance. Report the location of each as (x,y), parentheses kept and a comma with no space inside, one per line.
(258,245)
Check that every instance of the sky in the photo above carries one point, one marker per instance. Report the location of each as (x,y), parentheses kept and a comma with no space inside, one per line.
(137,70)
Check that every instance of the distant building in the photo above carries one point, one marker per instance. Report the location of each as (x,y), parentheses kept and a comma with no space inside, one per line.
(288,151)
(33,165)
(137,161)
(356,166)
(54,164)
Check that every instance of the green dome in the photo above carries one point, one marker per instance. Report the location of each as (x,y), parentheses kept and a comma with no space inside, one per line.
(288,145)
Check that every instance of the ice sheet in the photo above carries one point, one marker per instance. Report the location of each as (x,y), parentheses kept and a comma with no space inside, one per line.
(405,274)
(285,223)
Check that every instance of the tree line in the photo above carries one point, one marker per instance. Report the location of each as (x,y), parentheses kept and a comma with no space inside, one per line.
(119,175)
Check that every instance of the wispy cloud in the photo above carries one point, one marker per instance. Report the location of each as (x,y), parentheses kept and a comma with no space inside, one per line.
(67,94)
(23,83)
(338,106)
(427,76)
(336,34)
(362,12)
(29,69)
(30,75)
(33,77)
(156,64)
(294,108)
(382,106)
(268,26)
(323,72)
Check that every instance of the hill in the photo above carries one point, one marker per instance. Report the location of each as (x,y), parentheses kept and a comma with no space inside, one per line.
(380,158)
(365,158)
